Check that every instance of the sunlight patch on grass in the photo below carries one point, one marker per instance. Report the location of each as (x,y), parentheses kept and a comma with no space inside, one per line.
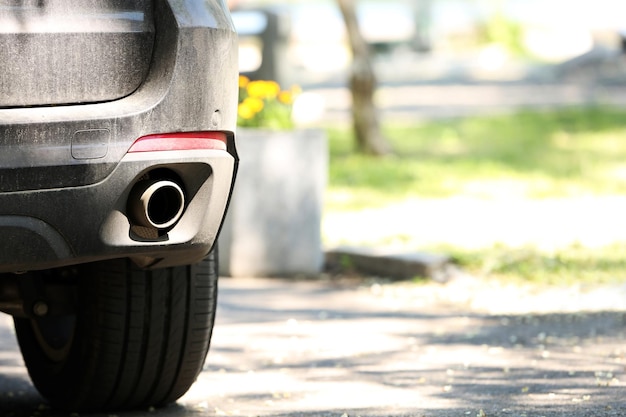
(575,264)
(578,151)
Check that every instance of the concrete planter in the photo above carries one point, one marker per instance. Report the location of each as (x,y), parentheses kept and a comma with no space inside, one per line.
(273,227)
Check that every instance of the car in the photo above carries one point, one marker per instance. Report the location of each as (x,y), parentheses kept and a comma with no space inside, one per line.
(117,162)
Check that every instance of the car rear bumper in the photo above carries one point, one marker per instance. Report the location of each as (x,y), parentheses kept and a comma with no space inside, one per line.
(49,228)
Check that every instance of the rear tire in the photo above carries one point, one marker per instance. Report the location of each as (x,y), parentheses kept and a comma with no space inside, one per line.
(139,338)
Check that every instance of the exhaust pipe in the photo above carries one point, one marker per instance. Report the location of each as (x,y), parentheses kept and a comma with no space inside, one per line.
(157,204)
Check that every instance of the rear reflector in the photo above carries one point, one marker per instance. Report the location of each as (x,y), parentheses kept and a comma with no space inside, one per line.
(184,141)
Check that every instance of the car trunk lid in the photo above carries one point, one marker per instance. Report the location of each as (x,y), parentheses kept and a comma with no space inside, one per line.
(56,52)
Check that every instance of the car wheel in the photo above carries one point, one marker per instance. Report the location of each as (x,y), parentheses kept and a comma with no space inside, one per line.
(138,337)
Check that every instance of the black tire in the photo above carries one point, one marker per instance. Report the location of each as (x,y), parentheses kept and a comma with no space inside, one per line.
(139,337)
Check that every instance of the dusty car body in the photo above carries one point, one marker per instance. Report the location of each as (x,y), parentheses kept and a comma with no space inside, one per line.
(117,160)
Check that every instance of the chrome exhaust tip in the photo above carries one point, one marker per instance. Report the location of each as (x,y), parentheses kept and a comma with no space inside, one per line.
(157,204)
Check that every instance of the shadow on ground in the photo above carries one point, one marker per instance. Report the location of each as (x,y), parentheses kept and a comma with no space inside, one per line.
(309,349)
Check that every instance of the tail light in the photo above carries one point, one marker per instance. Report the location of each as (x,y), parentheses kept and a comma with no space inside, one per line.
(182,141)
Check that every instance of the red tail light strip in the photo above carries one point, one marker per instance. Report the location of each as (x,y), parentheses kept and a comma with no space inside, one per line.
(180,142)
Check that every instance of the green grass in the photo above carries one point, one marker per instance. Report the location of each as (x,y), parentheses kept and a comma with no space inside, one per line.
(567,152)
(549,154)
(574,264)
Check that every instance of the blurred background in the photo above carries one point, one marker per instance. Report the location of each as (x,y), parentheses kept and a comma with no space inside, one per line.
(429,40)
(505,120)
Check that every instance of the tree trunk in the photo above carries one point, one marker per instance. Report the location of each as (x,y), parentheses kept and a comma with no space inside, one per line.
(362,85)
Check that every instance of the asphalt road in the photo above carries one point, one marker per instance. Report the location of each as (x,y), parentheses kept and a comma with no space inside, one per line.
(361,349)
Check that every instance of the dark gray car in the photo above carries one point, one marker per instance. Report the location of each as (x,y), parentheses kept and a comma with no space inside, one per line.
(117,161)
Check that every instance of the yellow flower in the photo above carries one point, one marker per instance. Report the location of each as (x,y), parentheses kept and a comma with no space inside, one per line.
(273,88)
(285,97)
(243,81)
(254,104)
(263,89)
(263,104)
(245,112)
